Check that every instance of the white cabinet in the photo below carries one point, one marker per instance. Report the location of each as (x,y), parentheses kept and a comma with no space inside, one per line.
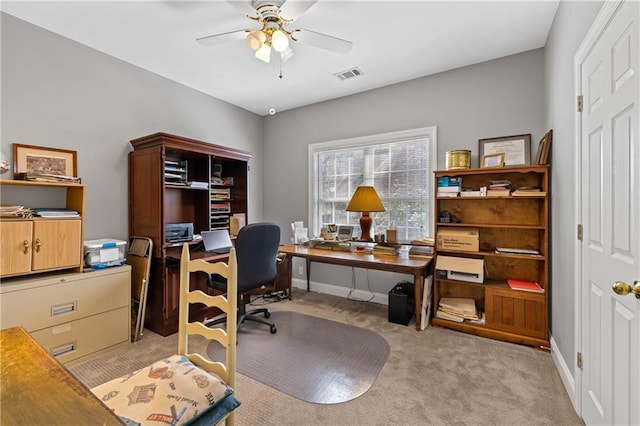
(73,315)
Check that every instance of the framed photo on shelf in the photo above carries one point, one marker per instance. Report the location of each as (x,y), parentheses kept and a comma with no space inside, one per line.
(516,149)
(544,147)
(52,161)
(492,160)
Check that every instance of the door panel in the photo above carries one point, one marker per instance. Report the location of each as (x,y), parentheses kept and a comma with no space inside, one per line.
(14,238)
(610,209)
(56,244)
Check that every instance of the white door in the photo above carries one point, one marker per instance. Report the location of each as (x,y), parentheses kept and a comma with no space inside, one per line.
(610,209)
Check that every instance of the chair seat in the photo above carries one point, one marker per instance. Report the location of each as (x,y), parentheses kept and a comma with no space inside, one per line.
(171,391)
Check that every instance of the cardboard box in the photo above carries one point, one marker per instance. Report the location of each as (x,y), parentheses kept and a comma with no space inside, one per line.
(104,252)
(460,268)
(463,239)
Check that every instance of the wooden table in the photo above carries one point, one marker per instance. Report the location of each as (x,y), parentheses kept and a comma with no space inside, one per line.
(37,390)
(418,267)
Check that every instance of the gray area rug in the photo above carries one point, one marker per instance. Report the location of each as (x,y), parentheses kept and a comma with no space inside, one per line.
(310,358)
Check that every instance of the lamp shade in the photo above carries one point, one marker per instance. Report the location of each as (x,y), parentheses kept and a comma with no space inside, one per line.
(255,39)
(264,53)
(279,41)
(365,199)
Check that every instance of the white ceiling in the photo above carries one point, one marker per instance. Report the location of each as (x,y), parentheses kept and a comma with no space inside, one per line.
(393,41)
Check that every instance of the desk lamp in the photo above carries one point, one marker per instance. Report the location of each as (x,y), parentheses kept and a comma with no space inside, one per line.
(365,200)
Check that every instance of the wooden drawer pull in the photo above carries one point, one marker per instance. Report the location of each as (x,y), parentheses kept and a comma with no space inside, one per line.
(65,308)
(63,349)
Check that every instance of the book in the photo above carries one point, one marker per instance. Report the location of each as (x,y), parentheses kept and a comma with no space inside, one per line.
(524,285)
(425,311)
(471,193)
(516,251)
(444,181)
(447,194)
(459,306)
(498,192)
(444,315)
(448,189)
(534,192)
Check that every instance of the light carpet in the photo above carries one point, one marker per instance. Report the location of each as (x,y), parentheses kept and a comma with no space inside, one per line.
(310,358)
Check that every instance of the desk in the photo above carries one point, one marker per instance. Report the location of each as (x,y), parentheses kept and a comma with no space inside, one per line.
(418,267)
(37,389)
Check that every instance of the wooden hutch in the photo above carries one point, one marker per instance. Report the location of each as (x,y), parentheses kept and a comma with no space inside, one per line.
(173,179)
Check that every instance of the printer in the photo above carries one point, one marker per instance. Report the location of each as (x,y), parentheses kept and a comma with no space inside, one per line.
(178,232)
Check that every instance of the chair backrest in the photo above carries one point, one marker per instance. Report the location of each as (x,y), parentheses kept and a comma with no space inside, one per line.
(257,250)
(227,303)
(139,257)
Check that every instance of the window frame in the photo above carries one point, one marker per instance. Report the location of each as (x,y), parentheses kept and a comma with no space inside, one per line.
(362,141)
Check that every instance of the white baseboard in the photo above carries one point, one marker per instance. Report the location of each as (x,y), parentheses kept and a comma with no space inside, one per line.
(565,374)
(341,291)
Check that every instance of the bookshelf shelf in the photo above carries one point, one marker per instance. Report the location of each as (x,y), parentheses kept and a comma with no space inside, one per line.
(515,222)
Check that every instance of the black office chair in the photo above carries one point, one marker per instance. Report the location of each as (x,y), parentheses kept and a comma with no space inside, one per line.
(257,252)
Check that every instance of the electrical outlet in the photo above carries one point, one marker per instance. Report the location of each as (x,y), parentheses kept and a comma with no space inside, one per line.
(300,270)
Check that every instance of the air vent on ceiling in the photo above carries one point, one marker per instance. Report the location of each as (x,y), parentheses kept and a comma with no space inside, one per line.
(350,73)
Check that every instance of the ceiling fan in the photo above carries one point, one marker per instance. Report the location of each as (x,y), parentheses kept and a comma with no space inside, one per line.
(275,18)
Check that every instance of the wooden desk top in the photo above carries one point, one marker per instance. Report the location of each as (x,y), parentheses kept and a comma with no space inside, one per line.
(36,389)
(358,259)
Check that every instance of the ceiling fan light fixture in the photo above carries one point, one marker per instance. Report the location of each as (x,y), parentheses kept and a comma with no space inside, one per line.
(264,53)
(255,39)
(286,55)
(279,41)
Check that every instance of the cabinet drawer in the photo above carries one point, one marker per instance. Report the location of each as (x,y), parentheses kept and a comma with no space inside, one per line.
(75,339)
(518,312)
(45,303)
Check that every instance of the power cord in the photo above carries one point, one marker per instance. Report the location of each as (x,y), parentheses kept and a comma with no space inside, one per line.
(268,298)
(353,287)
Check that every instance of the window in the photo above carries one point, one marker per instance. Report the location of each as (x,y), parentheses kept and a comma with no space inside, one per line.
(399,165)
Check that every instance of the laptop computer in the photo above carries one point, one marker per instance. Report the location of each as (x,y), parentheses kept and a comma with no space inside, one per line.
(217,241)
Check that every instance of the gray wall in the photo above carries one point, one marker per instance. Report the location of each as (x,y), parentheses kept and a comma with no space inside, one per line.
(495,98)
(571,23)
(58,93)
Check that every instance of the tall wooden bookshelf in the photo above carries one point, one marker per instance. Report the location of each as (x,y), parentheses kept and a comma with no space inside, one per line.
(520,222)
(173,179)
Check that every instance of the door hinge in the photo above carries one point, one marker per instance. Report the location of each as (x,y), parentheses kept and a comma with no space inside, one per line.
(579,360)
(579,103)
(580,231)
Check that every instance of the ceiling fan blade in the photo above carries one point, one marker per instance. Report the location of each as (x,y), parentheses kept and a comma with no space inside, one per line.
(293,9)
(212,40)
(323,41)
(244,6)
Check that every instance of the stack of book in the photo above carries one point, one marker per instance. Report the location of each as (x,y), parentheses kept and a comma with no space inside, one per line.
(221,193)
(421,251)
(458,309)
(386,248)
(47,177)
(422,247)
(473,192)
(449,186)
(55,213)
(499,188)
(15,211)
(527,191)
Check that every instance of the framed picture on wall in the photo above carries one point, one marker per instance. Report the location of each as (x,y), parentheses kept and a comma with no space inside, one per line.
(516,149)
